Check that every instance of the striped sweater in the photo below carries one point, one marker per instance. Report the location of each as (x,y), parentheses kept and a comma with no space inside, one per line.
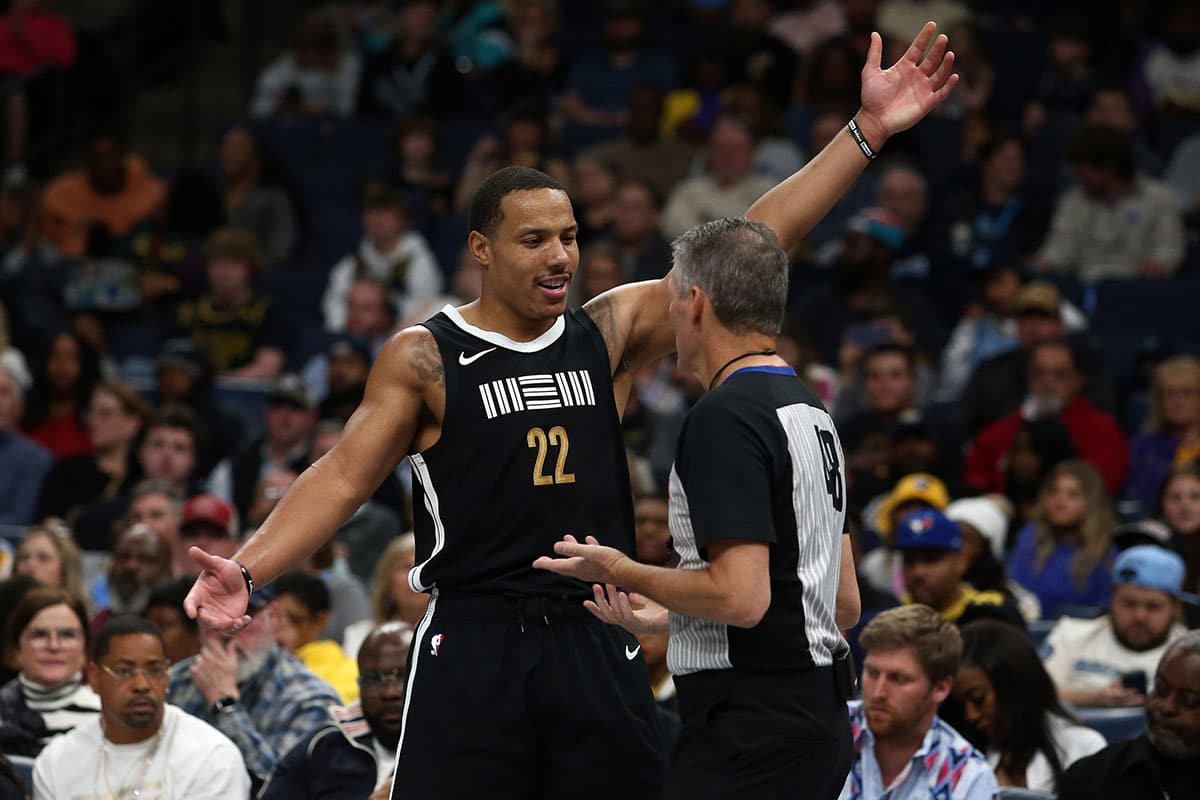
(31,714)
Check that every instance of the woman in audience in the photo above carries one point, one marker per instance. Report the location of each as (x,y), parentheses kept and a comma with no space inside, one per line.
(1181,511)
(1010,704)
(1172,434)
(253,199)
(63,382)
(115,418)
(1063,556)
(391,596)
(49,555)
(49,633)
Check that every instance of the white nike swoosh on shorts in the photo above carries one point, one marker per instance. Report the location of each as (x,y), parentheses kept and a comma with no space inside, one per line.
(632,654)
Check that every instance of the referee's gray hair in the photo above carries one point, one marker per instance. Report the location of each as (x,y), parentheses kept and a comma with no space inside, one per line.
(741,267)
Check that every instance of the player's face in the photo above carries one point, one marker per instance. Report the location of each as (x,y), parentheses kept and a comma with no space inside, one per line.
(1142,617)
(529,261)
(898,696)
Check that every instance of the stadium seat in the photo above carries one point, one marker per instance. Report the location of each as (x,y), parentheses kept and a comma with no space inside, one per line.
(359,145)
(293,141)
(1127,306)
(1116,724)
(1010,793)
(23,766)
(1040,629)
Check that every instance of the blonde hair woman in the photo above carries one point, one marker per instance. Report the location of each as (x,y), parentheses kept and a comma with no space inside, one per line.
(391,597)
(1172,436)
(1064,555)
(49,555)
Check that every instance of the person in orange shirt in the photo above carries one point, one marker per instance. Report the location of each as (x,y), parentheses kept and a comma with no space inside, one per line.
(113,187)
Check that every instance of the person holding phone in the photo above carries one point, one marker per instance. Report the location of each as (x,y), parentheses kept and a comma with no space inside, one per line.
(1108,661)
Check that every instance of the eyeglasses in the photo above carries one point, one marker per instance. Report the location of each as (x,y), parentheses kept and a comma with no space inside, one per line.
(376,679)
(64,636)
(155,671)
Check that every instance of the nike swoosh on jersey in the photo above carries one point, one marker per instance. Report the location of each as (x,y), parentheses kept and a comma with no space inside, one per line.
(466,360)
(632,654)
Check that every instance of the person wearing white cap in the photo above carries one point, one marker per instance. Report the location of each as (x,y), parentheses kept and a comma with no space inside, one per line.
(1107,661)
(983,522)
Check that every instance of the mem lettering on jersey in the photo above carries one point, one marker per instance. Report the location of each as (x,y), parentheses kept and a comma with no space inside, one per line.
(537,393)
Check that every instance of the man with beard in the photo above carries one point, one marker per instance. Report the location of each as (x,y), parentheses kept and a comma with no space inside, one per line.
(141,559)
(357,752)
(139,746)
(1108,661)
(252,691)
(934,568)
(1165,761)
(901,748)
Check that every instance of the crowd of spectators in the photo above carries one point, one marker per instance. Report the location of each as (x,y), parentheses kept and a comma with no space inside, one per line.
(999,314)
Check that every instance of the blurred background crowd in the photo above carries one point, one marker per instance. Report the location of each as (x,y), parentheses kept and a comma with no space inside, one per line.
(213,214)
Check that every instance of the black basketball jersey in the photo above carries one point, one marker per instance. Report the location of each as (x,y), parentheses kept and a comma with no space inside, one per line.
(530,450)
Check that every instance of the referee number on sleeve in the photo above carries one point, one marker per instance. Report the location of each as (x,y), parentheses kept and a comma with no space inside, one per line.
(833,468)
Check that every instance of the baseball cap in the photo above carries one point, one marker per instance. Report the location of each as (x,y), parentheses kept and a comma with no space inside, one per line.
(182,354)
(985,516)
(880,224)
(917,486)
(290,389)
(1039,297)
(350,345)
(927,530)
(208,509)
(1139,532)
(1151,567)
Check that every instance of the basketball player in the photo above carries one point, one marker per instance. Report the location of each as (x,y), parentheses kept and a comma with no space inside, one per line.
(757,513)
(508,409)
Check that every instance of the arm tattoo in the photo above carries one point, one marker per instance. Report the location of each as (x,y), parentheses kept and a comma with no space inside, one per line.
(426,361)
(602,313)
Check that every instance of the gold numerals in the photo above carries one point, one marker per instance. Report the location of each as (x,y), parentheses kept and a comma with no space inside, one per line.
(543,441)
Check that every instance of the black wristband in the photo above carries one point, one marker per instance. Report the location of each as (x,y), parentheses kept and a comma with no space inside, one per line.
(246,577)
(860,140)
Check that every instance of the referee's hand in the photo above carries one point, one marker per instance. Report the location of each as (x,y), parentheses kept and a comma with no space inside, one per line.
(634,612)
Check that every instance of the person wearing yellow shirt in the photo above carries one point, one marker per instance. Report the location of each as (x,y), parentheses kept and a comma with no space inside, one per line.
(302,606)
(934,565)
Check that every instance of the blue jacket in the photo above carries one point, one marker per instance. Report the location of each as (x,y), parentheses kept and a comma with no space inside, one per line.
(23,466)
(336,763)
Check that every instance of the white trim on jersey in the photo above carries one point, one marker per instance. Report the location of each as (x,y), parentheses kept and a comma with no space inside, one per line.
(418,645)
(421,474)
(500,340)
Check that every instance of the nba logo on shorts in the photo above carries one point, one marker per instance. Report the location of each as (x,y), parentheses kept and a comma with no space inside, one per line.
(436,643)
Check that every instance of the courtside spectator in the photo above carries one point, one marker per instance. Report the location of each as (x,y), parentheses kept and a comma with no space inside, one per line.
(24,463)
(49,555)
(318,75)
(64,376)
(253,199)
(1172,436)
(302,611)
(1181,512)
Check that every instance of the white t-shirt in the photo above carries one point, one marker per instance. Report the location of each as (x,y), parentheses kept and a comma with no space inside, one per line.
(194,761)
(1072,741)
(1084,654)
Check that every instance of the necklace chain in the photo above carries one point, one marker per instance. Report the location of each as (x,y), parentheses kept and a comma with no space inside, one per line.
(134,787)
(768,352)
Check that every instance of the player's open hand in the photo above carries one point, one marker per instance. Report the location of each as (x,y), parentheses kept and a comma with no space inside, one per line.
(218,599)
(895,99)
(588,561)
(635,613)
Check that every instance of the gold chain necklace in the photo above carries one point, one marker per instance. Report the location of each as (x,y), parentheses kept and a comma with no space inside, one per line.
(136,791)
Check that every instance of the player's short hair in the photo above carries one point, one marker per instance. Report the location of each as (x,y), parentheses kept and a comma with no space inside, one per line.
(309,590)
(124,625)
(937,643)
(485,213)
(741,267)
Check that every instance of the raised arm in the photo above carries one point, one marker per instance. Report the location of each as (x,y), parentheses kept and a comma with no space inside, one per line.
(633,318)
(893,100)
(378,435)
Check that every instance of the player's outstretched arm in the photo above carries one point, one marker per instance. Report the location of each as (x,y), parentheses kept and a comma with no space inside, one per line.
(893,100)
(376,437)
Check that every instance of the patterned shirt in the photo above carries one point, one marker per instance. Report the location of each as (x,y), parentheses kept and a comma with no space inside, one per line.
(945,767)
(281,704)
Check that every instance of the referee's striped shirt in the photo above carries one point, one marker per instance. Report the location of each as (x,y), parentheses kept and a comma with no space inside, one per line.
(759,459)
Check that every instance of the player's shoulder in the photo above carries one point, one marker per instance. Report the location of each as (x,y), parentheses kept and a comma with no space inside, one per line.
(411,355)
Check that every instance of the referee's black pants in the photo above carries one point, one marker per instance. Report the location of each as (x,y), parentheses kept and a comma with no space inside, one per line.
(526,698)
(761,736)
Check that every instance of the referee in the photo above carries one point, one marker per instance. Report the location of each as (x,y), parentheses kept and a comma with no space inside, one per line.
(757,513)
